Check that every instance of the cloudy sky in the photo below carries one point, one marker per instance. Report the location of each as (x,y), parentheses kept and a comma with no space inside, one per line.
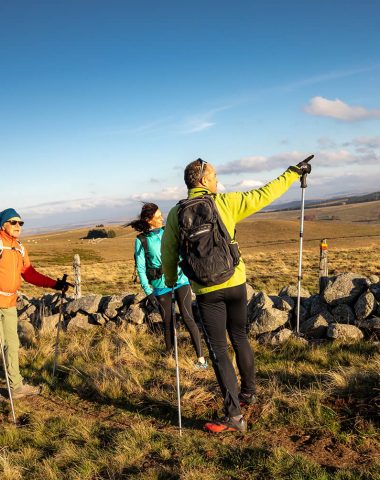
(103,103)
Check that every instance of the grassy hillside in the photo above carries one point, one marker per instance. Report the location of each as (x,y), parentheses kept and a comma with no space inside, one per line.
(112,413)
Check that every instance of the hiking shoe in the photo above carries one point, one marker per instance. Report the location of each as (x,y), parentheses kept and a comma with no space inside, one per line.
(247,399)
(201,366)
(25,390)
(227,424)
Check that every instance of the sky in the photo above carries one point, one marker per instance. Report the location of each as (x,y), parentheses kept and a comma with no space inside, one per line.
(103,103)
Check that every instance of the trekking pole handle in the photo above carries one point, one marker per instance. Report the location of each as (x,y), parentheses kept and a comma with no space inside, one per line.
(304,175)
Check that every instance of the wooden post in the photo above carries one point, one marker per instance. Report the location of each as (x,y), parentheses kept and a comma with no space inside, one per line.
(323,266)
(77,280)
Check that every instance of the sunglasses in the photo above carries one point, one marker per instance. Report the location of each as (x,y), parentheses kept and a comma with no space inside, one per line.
(203,164)
(15,222)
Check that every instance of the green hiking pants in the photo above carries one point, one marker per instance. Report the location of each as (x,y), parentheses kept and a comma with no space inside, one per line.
(9,338)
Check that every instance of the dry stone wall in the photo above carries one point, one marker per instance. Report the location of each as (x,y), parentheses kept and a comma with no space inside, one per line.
(348,310)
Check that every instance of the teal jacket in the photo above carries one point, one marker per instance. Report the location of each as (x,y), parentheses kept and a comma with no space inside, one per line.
(158,286)
(232,207)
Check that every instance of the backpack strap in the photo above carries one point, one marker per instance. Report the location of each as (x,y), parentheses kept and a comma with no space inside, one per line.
(144,243)
(21,248)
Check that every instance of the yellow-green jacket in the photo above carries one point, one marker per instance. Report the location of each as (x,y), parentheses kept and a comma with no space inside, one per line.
(232,207)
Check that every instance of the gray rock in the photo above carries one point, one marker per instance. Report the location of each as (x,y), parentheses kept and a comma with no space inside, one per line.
(98,319)
(345,288)
(269,320)
(343,314)
(282,303)
(26,332)
(27,313)
(375,289)
(344,333)
(250,292)
(317,305)
(49,323)
(87,304)
(292,291)
(365,305)
(281,336)
(258,302)
(135,314)
(372,325)
(316,326)
(154,317)
(374,279)
(110,305)
(81,321)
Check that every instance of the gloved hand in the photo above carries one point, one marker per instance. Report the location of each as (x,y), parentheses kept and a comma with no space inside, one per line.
(62,284)
(153,300)
(304,166)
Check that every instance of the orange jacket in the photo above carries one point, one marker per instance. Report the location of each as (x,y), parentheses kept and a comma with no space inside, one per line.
(12,267)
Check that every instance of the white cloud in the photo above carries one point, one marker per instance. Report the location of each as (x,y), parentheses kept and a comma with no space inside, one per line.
(169,193)
(371,142)
(322,107)
(245,185)
(198,126)
(261,163)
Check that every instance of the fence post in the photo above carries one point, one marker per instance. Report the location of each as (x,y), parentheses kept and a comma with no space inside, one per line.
(77,279)
(323,265)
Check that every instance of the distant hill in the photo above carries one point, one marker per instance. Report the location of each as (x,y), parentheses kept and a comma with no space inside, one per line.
(331,202)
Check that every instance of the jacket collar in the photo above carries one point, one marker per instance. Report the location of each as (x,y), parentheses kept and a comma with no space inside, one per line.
(197,191)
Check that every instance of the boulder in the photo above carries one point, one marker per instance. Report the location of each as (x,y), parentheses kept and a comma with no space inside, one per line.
(292,291)
(110,305)
(281,336)
(372,325)
(87,304)
(268,320)
(374,279)
(316,326)
(26,332)
(375,289)
(344,333)
(365,305)
(317,305)
(81,321)
(250,292)
(48,323)
(27,313)
(344,288)
(282,303)
(135,315)
(343,314)
(259,302)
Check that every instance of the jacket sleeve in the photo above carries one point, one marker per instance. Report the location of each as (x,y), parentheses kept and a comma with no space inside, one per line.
(169,248)
(30,275)
(141,267)
(244,204)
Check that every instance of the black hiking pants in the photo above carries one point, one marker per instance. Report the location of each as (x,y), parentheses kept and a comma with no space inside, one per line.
(226,310)
(183,298)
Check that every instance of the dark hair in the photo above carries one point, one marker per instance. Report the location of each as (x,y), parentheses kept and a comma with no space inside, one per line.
(193,172)
(141,224)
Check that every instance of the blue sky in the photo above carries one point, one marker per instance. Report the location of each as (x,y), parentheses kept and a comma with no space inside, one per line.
(104,103)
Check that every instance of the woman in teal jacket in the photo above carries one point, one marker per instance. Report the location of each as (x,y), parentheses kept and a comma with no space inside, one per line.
(150,223)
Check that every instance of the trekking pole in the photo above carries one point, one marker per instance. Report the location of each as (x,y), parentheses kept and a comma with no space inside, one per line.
(7,380)
(303,187)
(59,326)
(174,320)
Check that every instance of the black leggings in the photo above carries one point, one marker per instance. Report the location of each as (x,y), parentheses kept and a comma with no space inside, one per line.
(226,310)
(183,297)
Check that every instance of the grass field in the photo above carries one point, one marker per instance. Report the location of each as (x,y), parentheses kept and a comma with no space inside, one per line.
(112,414)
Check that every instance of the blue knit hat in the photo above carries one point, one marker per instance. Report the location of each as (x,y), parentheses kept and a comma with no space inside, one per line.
(6,214)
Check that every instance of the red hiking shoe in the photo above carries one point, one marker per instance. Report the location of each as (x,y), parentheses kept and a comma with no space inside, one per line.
(227,424)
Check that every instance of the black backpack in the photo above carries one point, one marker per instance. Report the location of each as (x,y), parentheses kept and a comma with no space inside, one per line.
(152,273)
(208,255)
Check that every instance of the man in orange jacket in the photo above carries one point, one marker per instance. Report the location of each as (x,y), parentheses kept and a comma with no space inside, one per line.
(14,264)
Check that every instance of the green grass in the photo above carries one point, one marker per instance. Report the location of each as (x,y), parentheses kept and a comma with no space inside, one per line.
(112,413)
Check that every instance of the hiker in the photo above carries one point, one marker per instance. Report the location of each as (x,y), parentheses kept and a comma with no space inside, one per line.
(148,266)
(217,274)
(14,264)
